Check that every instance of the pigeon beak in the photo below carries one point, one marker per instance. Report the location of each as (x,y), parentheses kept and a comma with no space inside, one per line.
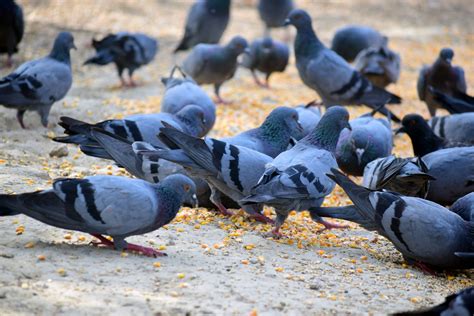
(400,130)
(195,202)
(287,22)
(449,60)
(348,126)
(73,46)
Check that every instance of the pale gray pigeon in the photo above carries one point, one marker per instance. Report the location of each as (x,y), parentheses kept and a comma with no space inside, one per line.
(274,12)
(324,71)
(309,116)
(180,92)
(380,65)
(214,64)
(350,40)
(268,56)
(127,50)
(105,205)
(456,128)
(206,22)
(12,27)
(459,102)
(36,85)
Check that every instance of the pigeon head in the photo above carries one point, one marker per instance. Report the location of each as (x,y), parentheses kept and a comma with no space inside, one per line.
(422,136)
(237,45)
(180,186)
(446,54)
(194,118)
(106,42)
(63,43)
(281,124)
(299,19)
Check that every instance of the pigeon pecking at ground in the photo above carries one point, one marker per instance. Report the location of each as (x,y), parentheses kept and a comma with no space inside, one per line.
(205,24)
(296,179)
(380,65)
(309,115)
(12,27)
(180,92)
(36,85)
(127,50)
(274,13)
(458,103)
(324,71)
(442,76)
(456,128)
(214,64)
(268,56)
(105,205)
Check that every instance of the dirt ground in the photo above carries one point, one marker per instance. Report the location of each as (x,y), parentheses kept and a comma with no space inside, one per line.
(216,265)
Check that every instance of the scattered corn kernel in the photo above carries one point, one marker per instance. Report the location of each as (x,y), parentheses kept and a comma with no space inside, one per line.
(41,257)
(30,245)
(180,275)
(68,236)
(279,269)
(61,272)
(157,264)
(244,261)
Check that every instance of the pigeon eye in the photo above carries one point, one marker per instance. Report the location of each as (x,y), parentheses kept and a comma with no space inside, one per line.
(187,187)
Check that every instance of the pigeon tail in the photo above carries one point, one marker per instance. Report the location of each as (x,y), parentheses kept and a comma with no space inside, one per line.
(9,205)
(101,58)
(348,213)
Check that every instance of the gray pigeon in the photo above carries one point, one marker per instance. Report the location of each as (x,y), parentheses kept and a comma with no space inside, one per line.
(441,76)
(459,102)
(180,92)
(268,56)
(309,116)
(214,64)
(370,138)
(138,127)
(36,85)
(12,27)
(127,50)
(458,304)
(274,12)
(206,22)
(464,207)
(456,128)
(296,179)
(324,71)
(380,65)
(427,234)
(105,205)
(349,41)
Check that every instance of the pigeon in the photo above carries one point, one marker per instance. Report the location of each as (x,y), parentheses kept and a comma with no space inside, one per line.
(36,85)
(380,65)
(456,128)
(458,103)
(180,92)
(214,64)
(205,24)
(296,179)
(370,138)
(268,56)
(12,27)
(309,116)
(464,207)
(458,304)
(138,127)
(274,12)
(443,77)
(427,234)
(105,205)
(423,139)
(442,176)
(127,50)
(349,41)
(324,71)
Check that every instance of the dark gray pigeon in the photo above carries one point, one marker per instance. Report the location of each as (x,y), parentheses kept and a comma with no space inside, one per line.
(458,304)
(309,116)
(268,56)
(127,50)
(36,85)
(441,76)
(105,205)
(274,12)
(138,127)
(214,64)
(464,207)
(180,92)
(370,138)
(456,128)
(324,71)
(349,41)
(205,24)
(380,65)
(296,179)
(12,27)
(427,234)
(460,102)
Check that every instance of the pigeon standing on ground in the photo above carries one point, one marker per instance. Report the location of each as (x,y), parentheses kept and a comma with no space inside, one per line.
(296,179)
(324,71)
(12,27)
(268,56)
(427,234)
(180,92)
(456,128)
(458,103)
(274,13)
(370,138)
(349,41)
(380,65)
(442,76)
(105,205)
(36,85)
(214,64)
(127,50)
(205,24)
(309,116)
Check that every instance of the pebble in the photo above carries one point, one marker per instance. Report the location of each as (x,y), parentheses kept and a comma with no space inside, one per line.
(59,152)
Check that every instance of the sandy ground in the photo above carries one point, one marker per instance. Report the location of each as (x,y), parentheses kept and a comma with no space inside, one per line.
(215,265)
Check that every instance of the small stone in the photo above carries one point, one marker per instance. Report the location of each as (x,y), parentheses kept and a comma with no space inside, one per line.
(59,152)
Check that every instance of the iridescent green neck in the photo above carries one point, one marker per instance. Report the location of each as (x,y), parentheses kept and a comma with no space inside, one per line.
(325,135)
(275,132)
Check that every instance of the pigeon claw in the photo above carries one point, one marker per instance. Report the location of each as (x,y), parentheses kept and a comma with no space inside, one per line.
(329,225)
(146,251)
(262,218)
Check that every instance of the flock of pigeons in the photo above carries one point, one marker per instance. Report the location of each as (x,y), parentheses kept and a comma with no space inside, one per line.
(290,162)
